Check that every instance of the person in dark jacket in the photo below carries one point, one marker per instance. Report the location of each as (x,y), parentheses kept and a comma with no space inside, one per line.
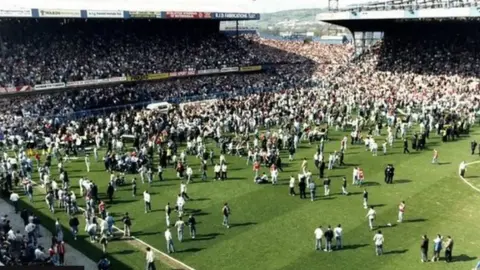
(192,223)
(322,169)
(73,222)
(424,248)
(405,147)
(302,186)
(110,191)
(328,238)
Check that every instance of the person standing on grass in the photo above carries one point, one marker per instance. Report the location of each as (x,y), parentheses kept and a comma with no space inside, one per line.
(379,240)
(134,187)
(224,168)
(326,186)
(226,214)
(104,242)
(183,190)
(424,248)
(146,199)
(312,187)
(292,185)
(14,197)
(73,222)
(462,169)
(127,224)
(189,173)
(302,186)
(437,248)
(50,200)
(180,224)
(448,249)
(328,239)
(110,222)
(87,162)
(217,169)
(180,204)
(344,186)
(168,211)
(101,209)
(110,191)
(365,198)
(204,170)
(318,237)
(405,147)
(169,239)
(150,259)
(160,172)
(371,214)
(192,223)
(435,157)
(401,211)
(338,232)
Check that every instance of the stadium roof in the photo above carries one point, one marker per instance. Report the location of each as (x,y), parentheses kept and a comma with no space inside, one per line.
(134,5)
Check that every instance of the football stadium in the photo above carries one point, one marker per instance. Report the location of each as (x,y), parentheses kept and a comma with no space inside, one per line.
(137,135)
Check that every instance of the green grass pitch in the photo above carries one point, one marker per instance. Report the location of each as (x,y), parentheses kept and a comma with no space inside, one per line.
(272,230)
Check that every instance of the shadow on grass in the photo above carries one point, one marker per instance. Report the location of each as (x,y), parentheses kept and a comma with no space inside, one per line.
(123,252)
(377,205)
(385,226)
(370,184)
(415,220)
(209,236)
(243,224)
(400,251)
(92,251)
(190,250)
(354,246)
(463,258)
(201,199)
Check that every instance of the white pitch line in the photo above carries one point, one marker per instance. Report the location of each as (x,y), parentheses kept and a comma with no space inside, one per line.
(140,241)
(465,180)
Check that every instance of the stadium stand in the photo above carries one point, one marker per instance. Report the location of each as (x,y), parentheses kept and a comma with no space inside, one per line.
(52,51)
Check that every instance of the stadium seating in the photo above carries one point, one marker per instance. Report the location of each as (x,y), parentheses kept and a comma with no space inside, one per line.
(50,51)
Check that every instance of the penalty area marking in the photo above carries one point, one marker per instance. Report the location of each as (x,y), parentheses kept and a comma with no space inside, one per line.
(465,180)
(169,260)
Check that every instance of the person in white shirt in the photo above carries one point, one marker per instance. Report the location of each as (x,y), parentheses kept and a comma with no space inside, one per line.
(292,185)
(180,225)
(384,146)
(462,169)
(374,146)
(189,174)
(338,236)
(14,197)
(183,191)
(274,175)
(222,159)
(217,169)
(92,231)
(378,239)
(87,162)
(180,204)
(355,176)
(371,217)
(224,172)
(146,199)
(169,239)
(401,211)
(39,254)
(150,259)
(95,153)
(318,238)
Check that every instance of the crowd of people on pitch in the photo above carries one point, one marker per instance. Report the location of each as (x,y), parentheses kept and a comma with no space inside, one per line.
(50,51)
